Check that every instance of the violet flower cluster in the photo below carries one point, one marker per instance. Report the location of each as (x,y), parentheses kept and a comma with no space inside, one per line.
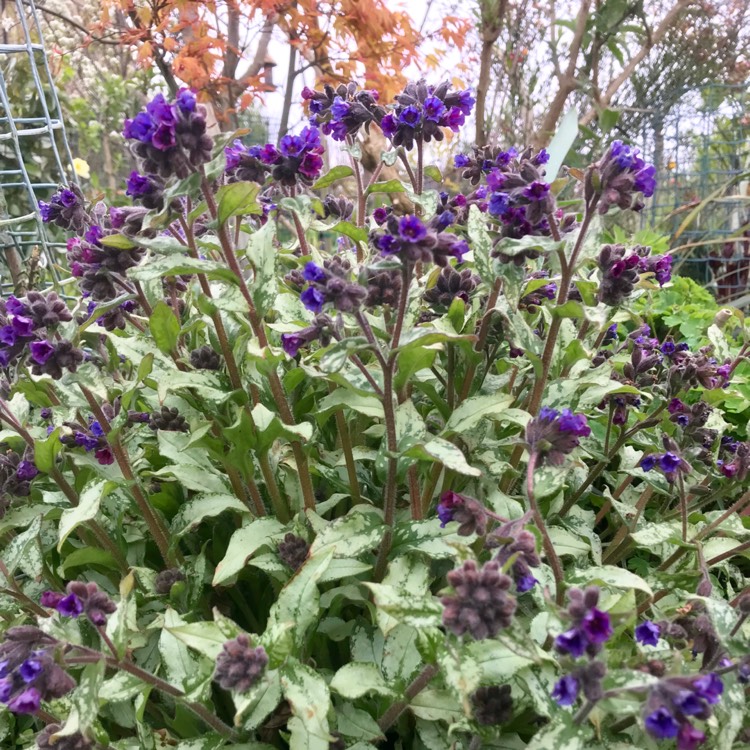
(28,333)
(340,112)
(619,179)
(29,672)
(90,437)
(16,473)
(670,463)
(330,285)
(66,208)
(552,435)
(81,599)
(170,138)
(422,111)
(411,240)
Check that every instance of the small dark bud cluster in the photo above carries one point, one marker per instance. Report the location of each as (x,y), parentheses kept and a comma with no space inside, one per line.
(168,419)
(451,284)
(338,207)
(467,512)
(240,666)
(81,598)
(16,473)
(480,605)
(75,741)
(619,179)
(293,551)
(66,208)
(516,544)
(383,287)
(342,111)
(331,285)
(205,358)
(492,705)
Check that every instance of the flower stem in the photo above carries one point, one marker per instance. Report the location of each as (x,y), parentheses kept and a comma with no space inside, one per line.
(346,447)
(417,685)
(154,522)
(549,547)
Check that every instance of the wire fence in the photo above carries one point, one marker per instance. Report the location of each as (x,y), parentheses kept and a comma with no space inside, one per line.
(701,149)
(35,157)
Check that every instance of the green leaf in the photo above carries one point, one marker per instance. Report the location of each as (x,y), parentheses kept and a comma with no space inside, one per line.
(85,701)
(473,410)
(434,173)
(86,510)
(562,734)
(611,575)
(23,550)
(164,326)
(356,679)
(310,701)
(178,265)
(207,638)
(360,530)
(253,707)
(608,119)
(334,357)
(243,544)
(443,452)
(237,199)
(45,451)
(118,241)
(209,505)
(269,427)
(356,723)
(298,602)
(180,666)
(482,244)
(262,254)
(333,175)
(437,705)
(370,406)
(352,231)
(419,611)
(391,186)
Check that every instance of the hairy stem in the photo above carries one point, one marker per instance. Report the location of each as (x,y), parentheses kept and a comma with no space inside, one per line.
(417,685)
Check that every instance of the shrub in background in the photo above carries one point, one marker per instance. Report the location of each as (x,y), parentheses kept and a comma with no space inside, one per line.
(439,486)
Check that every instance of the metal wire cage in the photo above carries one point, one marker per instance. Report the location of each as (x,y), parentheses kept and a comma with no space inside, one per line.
(35,157)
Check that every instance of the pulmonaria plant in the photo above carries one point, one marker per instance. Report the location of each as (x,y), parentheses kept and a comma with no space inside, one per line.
(312,459)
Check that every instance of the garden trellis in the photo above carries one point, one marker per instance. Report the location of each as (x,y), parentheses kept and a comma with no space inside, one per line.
(34,153)
(701,149)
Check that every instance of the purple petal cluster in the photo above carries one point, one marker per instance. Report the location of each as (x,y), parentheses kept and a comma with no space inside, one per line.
(675,702)
(67,209)
(590,627)
(170,138)
(29,673)
(16,474)
(320,330)
(648,633)
(552,434)
(340,112)
(620,272)
(409,238)
(466,511)
(148,188)
(90,437)
(670,463)
(619,179)
(81,599)
(422,112)
(330,285)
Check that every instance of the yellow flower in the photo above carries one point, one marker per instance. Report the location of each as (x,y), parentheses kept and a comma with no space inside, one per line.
(81,168)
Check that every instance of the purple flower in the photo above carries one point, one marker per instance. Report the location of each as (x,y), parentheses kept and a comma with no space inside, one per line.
(22,326)
(499,204)
(161,111)
(164,138)
(27,702)
(6,689)
(410,116)
(340,109)
(411,228)
(14,306)
(525,583)
(41,351)
(669,462)
(648,462)
(675,406)
(26,471)
(596,626)
(572,642)
(566,690)
(574,424)
(104,456)
(689,737)
(433,108)
(140,128)
(388,244)
(455,119)
(313,272)
(312,299)
(379,215)
(7,335)
(389,126)
(70,606)
(87,442)
(661,724)
(709,687)
(465,101)
(292,342)
(645,180)
(186,101)
(461,160)
(647,633)
(689,703)
(50,599)
(536,191)
(29,670)
(138,185)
